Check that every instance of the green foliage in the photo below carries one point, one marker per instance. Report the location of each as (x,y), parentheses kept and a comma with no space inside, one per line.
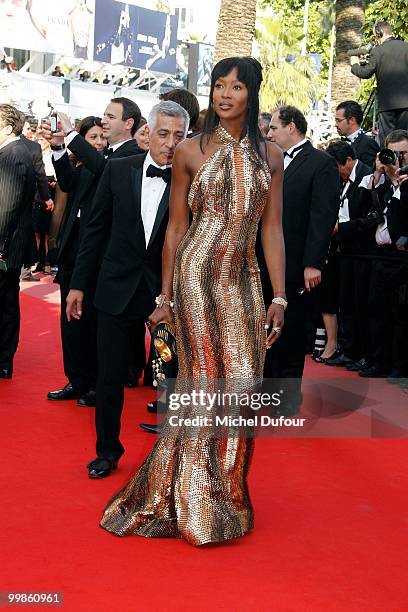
(285,82)
(395,12)
(291,13)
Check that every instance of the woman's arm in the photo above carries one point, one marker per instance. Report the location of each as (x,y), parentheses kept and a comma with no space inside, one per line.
(177,226)
(272,241)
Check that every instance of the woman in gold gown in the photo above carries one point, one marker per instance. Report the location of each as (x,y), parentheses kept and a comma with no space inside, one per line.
(195,486)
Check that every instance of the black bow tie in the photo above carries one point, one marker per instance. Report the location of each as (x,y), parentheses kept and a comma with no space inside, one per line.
(286,154)
(345,139)
(108,151)
(163,173)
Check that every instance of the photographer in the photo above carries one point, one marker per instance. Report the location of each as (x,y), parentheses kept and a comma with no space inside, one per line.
(388,60)
(355,234)
(387,297)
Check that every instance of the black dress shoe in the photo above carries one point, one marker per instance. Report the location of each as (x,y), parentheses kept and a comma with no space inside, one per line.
(356,366)
(372,372)
(87,399)
(68,392)
(101,468)
(6,373)
(156,407)
(132,380)
(154,429)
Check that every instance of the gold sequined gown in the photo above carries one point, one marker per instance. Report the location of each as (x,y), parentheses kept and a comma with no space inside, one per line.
(195,487)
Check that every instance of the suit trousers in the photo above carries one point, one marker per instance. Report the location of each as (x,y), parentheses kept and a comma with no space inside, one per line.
(113,360)
(382,311)
(353,322)
(9,316)
(285,360)
(392,120)
(78,338)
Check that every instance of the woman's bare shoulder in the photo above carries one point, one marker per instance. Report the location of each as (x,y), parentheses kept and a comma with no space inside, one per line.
(189,146)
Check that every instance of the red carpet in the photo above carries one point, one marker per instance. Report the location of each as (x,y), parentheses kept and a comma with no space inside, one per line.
(331,515)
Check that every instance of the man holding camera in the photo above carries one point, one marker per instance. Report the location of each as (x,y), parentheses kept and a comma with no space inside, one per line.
(388,60)
(387,297)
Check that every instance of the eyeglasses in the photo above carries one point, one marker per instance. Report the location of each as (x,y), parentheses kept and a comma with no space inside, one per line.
(337,120)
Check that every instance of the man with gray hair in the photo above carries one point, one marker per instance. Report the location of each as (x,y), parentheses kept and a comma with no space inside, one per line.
(125,232)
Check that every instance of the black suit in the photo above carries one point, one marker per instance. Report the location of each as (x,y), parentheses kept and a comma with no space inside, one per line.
(80,182)
(17,185)
(42,194)
(128,281)
(356,243)
(310,208)
(389,63)
(387,299)
(366,149)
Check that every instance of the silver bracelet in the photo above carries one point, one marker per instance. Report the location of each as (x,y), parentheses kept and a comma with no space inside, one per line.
(281,301)
(162,300)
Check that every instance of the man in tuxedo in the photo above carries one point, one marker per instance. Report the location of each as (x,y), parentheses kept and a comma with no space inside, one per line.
(389,62)
(387,307)
(310,208)
(348,119)
(355,235)
(127,226)
(119,124)
(17,186)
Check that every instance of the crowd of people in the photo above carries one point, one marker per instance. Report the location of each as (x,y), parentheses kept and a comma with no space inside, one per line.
(326,226)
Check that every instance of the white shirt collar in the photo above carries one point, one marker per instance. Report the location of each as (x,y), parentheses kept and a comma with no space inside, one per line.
(149,161)
(352,176)
(298,144)
(352,137)
(7,142)
(118,144)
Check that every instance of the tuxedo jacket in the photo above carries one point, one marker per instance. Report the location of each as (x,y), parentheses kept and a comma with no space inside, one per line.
(115,230)
(35,151)
(389,63)
(81,183)
(366,149)
(395,209)
(353,236)
(311,199)
(17,187)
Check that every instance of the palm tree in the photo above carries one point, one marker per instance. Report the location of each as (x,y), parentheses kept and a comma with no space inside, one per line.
(288,76)
(349,23)
(236,28)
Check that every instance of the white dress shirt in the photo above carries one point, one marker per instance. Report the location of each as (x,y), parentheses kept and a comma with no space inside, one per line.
(152,192)
(7,142)
(344,214)
(352,137)
(288,157)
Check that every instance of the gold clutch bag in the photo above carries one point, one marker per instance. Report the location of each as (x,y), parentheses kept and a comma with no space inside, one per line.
(165,363)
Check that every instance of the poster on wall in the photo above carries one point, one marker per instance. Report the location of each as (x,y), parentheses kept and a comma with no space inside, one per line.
(52,26)
(134,36)
(205,60)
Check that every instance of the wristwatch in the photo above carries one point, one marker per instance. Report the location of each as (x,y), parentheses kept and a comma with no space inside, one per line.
(60,147)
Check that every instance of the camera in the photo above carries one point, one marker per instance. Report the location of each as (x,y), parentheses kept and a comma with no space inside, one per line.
(390,158)
(361,50)
(53,123)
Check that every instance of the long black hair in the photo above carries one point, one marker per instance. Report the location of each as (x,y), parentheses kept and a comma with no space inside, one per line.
(250,73)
